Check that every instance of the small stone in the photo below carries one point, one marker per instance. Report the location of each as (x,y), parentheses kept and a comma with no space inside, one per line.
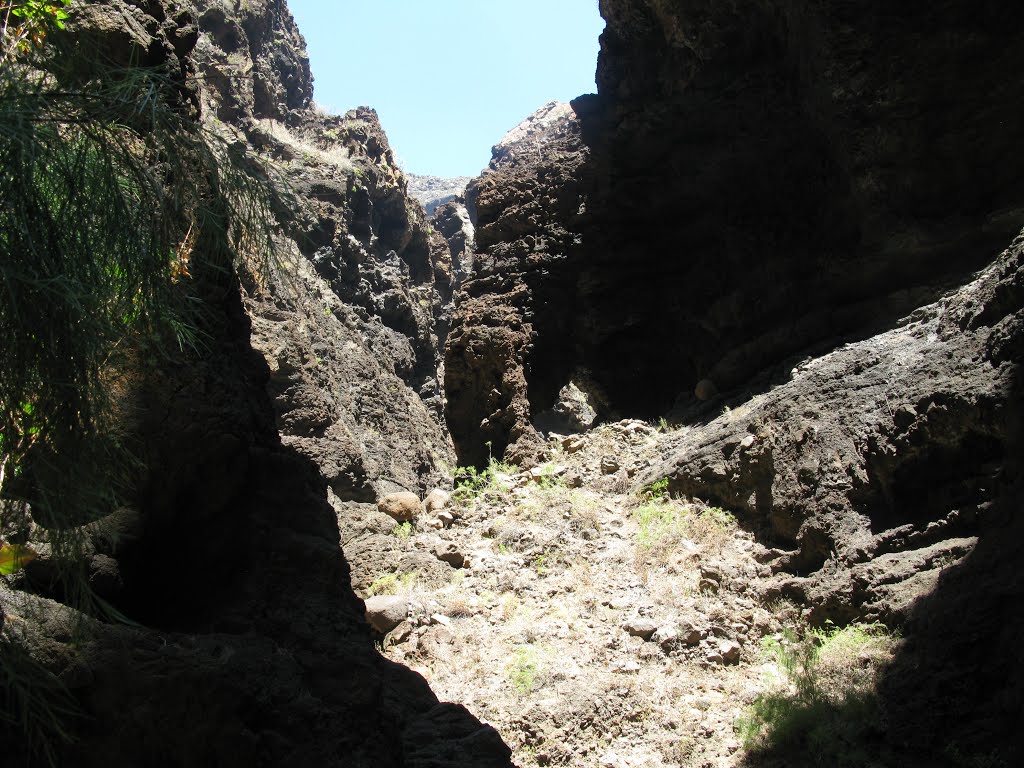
(711,572)
(440,618)
(905,416)
(667,637)
(705,389)
(446,518)
(709,586)
(609,465)
(400,634)
(547,472)
(747,441)
(573,444)
(730,651)
(433,524)
(689,633)
(436,500)
(402,506)
(640,627)
(385,612)
(449,554)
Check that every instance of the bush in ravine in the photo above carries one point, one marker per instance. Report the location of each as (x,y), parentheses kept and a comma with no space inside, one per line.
(823,705)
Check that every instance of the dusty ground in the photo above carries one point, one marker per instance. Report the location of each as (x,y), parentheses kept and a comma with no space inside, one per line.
(591,624)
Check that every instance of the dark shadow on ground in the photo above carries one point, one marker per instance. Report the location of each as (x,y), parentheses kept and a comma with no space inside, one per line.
(251,648)
(954,694)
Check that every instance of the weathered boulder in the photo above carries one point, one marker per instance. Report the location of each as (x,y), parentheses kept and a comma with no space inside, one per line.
(402,506)
(385,612)
(436,500)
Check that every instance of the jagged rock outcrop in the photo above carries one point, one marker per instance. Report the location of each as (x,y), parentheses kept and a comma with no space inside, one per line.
(876,462)
(351,332)
(253,60)
(514,313)
(315,380)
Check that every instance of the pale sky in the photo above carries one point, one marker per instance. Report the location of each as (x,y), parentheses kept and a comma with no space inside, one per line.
(449,78)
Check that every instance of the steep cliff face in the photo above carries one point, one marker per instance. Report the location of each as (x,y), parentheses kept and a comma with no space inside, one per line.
(786,205)
(511,337)
(353,342)
(314,387)
(776,174)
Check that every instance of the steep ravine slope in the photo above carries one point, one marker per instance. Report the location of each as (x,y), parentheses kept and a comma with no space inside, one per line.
(781,214)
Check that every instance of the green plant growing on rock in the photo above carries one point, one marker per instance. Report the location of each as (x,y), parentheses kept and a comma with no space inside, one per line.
(402,531)
(393,584)
(824,704)
(24,24)
(540,563)
(473,485)
(659,522)
(655,491)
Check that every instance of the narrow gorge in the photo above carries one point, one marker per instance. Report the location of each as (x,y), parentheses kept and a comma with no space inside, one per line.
(720,361)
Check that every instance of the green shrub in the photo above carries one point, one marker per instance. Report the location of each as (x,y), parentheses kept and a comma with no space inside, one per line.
(658,490)
(472,484)
(823,708)
(524,671)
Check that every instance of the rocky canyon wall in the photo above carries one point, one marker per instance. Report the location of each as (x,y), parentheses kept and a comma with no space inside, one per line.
(313,386)
(766,179)
(775,175)
(780,211)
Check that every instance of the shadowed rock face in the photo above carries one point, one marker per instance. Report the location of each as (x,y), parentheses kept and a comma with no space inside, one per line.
(315,386)
(775,174)
(764,178)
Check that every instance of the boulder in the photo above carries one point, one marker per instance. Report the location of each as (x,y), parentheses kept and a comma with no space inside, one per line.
(640,627)
(385,612)
(436,500)
(402,506)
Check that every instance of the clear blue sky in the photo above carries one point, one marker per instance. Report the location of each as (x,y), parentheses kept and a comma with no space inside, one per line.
(449,78)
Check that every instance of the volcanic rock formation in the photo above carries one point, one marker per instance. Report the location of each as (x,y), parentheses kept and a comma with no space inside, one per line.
(512,341)
(774,225)
(315,381)
(774,208)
